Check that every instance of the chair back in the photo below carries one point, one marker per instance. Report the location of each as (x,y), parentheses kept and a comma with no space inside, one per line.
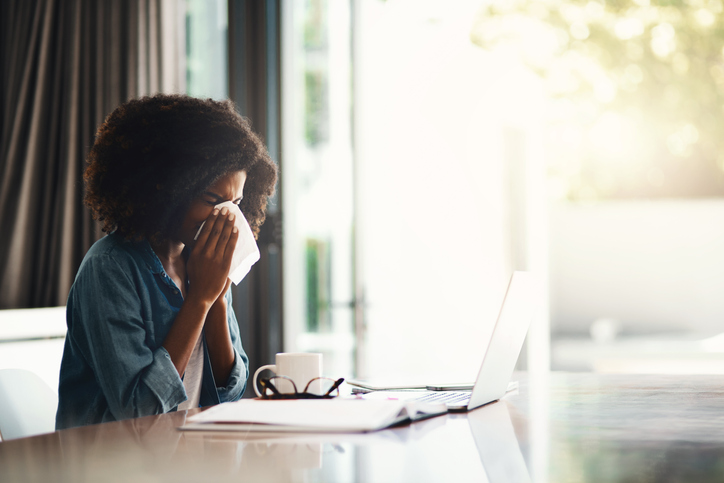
(27,405)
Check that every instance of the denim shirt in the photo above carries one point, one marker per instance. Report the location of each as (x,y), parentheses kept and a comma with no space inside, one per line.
(120,309)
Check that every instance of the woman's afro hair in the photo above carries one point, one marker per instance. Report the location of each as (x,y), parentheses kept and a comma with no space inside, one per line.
(152,156)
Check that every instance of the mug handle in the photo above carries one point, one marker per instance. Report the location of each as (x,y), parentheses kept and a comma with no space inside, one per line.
(271,367)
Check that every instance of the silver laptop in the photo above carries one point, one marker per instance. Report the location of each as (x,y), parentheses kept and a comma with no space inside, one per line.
(519,304)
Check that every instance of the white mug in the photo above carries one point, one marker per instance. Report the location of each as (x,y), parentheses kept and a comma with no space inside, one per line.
(300,367)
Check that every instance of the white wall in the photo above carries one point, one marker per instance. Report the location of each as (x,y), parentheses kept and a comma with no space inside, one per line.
(431,112)
(651,265)
(33,339)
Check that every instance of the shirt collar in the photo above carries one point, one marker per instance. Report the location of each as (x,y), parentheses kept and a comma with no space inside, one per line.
(149,257)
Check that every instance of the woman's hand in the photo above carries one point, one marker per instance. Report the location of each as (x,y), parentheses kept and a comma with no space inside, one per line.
(210,259)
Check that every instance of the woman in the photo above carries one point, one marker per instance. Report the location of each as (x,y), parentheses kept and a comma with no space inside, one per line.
(150,322)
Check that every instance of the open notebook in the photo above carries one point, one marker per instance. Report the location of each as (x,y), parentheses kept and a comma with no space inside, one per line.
(310,415)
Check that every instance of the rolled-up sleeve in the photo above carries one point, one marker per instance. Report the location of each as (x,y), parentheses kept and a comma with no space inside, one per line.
(109,329)
(162,380)
(235,385)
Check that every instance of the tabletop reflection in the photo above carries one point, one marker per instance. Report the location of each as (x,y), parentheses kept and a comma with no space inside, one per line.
(480,446)
(573,428)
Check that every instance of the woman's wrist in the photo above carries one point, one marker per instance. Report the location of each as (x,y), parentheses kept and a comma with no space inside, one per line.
(199,302)
(220,301)
(219,305)
(218,339)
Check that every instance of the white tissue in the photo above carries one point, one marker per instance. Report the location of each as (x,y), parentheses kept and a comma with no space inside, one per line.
(246,253)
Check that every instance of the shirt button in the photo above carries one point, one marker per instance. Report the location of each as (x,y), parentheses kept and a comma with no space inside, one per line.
(175,291)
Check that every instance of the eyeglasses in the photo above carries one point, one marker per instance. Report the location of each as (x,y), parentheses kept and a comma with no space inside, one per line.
(328,386)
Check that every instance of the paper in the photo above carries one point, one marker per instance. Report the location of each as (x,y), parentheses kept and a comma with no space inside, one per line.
(310,415)
(246,252)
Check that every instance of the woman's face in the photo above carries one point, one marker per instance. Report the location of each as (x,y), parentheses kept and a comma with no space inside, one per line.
(228,188)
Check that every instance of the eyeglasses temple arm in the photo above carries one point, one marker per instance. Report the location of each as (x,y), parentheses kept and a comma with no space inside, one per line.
(266,384)
(335,385)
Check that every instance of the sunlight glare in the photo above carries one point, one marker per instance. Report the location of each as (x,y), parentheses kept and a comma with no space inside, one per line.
(612,134)
(663,41)
(604,90)
(680,141)
(705,17)
(595,11)
(628,28)
(634,74)
(680,63)
(579,31)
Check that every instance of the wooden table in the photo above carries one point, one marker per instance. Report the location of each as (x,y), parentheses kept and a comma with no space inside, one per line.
(560,428)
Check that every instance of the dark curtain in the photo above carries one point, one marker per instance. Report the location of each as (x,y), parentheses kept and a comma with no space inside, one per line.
(255,86)
(65,64)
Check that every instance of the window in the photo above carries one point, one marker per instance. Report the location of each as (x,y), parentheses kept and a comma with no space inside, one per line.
(206,48)
(576,139)
(317,181)
(632,134)
(411,222)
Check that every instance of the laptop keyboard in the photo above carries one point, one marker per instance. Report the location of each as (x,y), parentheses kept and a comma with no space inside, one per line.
(451,398)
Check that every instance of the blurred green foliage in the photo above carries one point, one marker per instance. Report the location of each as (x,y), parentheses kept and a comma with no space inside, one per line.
(318,285)
(316,113)
(316,73)
(636,89)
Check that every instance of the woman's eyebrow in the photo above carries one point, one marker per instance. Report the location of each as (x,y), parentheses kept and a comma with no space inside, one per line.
(220,198)
(212,195)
